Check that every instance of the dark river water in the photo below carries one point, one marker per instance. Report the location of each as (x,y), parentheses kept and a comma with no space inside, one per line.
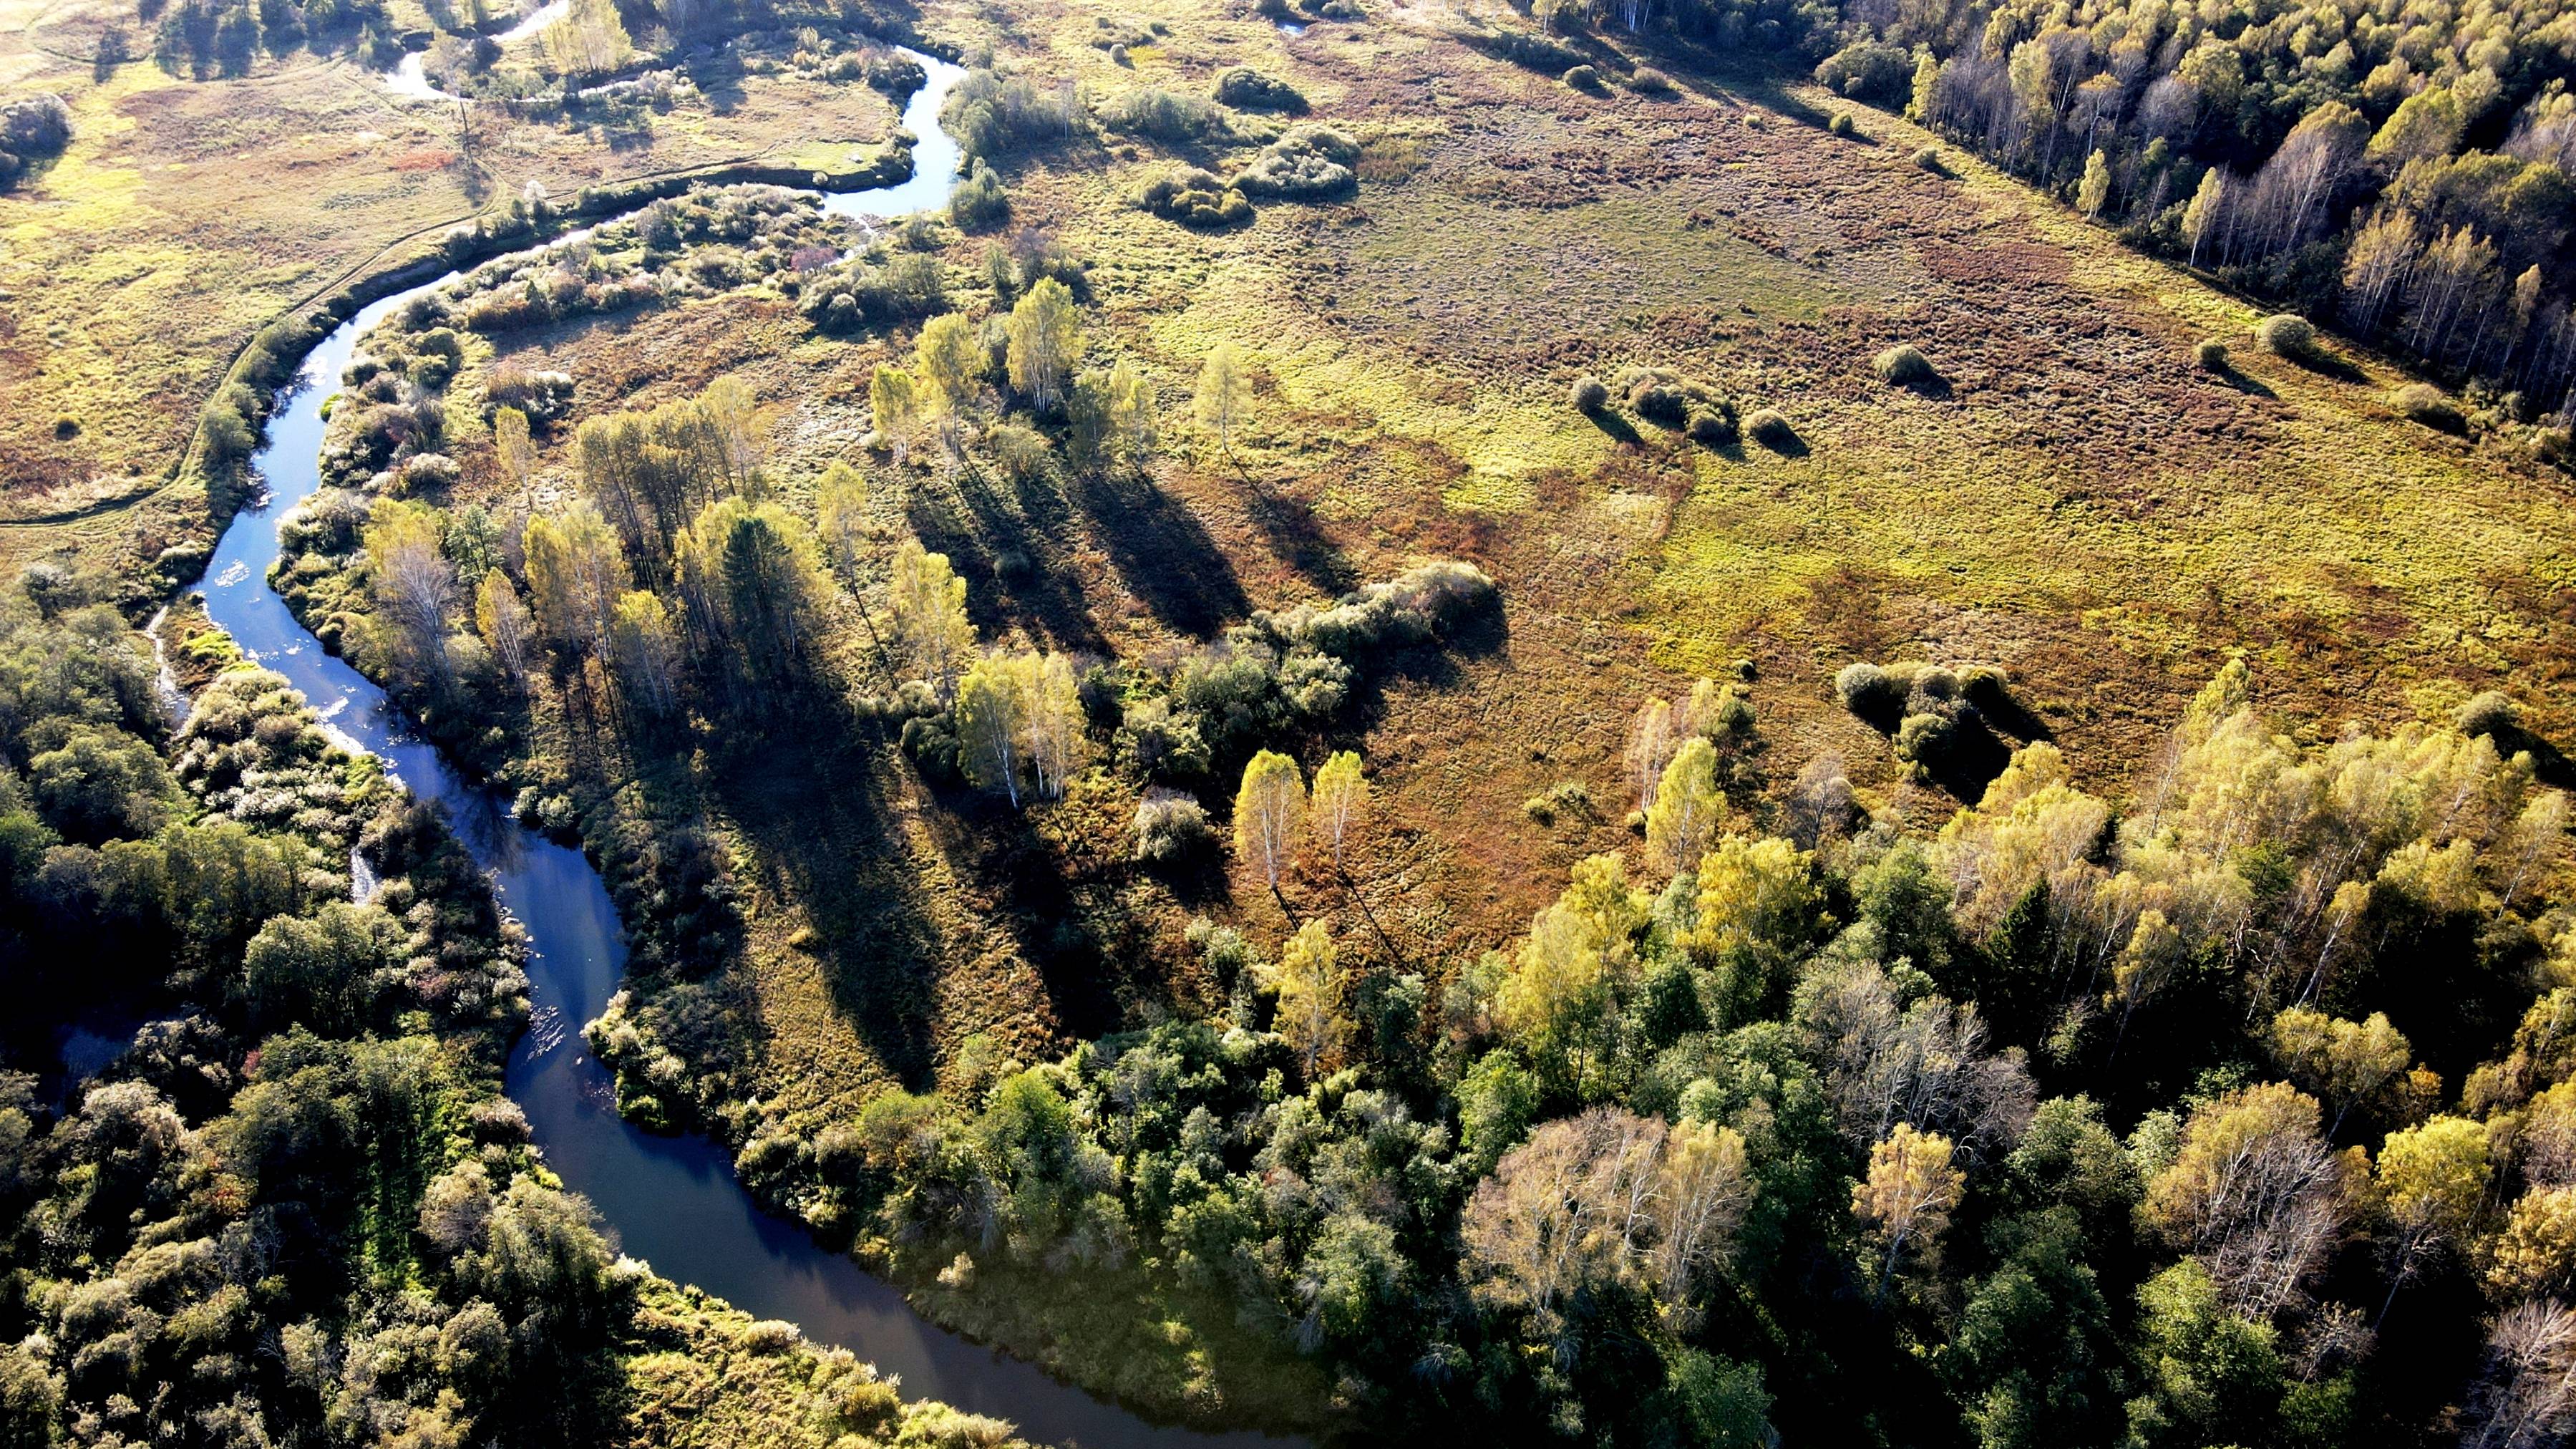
(672,1201)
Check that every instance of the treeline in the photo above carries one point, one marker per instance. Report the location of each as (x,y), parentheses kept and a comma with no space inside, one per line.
(2409,171)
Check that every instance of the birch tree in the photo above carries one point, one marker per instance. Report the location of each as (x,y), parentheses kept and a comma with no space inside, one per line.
(1340,803)
(1267,812)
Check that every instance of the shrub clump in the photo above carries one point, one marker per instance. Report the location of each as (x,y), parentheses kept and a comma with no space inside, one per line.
(1648,81)
(979,203)
(1309,161)
(2287,335)
(1771,430)
(1163,115)
(1196,198)
(1582,78)
(2424,403)
(1929,159)
(1842,125)
(2489,713)
(1906,366)
(1591,395)
(2211,354)
(1247,89)
(1933,715)
(1668,399)
(1871,71)
(1172,829)
(31,130)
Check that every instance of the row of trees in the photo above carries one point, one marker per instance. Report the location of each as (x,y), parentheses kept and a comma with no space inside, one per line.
(2402,169)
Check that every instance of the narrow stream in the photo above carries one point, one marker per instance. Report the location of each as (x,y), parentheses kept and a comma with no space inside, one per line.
(673,1202)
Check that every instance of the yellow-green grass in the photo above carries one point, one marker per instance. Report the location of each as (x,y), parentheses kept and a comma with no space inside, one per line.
(2077,501)
(187,215)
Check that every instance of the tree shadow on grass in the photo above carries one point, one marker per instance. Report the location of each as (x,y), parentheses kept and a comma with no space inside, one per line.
(1299,539)
(822,822)
(1162,552)
(1008,556)
(2250,386)
(1615,426)
(2326,364)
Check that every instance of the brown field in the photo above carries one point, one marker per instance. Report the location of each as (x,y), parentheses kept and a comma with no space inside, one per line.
(2076,502)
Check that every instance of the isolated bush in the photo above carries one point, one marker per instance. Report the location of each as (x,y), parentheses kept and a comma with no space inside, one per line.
(1646,80)
(1771,430)
(1194,197)
(1583,78)
(2424,403)
(1869,70)
(1987,687)
(31,129)
(2288,335)
(1906,366)
(1841,124)
(979,203)
(1590,396)
(2211,354)
(1872,693)
(1929,158)
(542,396)
(1927,742)
(1163,115)
(1412,608)
(1245,88)
(1309,161)
(2489,713)
(1172,828)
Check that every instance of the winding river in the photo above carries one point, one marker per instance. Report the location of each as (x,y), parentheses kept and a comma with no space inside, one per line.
(673,1201)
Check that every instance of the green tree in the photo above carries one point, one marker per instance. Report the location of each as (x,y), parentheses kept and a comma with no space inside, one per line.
(1045,338)
(1313,1016)
(894,402)
(512,448)
(929,607)
(2034,1359)
(2431,1181)
(1688,806)
(1267,812)
(2094,192)
(576,574)
(993,708)
(503,622)
(1340,804)
(1224,397)
(1905,1200)
(644,648)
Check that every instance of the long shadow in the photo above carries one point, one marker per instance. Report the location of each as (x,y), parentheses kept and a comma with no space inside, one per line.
(1300,541)
(2325,364)
(1976,756)
(819,817)
(1006,555)
(1618,428)
(1162,552)
(2251,387)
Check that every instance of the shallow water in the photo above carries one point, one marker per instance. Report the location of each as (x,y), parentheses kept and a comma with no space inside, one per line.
(409,80)
(673,1201)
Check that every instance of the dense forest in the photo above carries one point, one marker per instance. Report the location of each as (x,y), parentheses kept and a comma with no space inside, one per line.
(2407,171)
